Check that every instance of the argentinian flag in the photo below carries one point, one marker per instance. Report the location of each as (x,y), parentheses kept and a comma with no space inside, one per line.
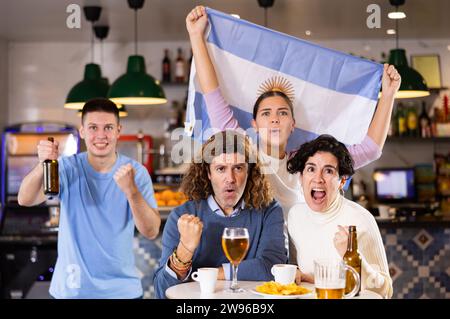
(334,93)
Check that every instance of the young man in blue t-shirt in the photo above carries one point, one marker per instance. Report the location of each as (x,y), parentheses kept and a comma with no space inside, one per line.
(227,189)
(103,196)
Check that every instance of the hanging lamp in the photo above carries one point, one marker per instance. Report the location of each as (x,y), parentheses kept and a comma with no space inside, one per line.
(101,32)
(266,4)
(413,84)
(136,87)
(92,86)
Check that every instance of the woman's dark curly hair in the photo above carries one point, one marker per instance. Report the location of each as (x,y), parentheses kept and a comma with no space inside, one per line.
(196,184)
(323,143)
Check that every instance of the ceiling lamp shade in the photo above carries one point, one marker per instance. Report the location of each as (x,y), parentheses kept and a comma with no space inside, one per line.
(396,15)
(413,84)
(92,86)
(136,87)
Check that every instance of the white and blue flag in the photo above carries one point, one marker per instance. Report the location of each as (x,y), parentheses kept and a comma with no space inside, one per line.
(334,93)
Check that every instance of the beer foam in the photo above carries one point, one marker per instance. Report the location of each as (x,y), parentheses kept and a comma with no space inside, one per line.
(338,284)
(234,237)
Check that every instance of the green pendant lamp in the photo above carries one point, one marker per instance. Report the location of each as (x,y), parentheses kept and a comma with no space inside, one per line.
(92,86)
(413,84)
(136,87)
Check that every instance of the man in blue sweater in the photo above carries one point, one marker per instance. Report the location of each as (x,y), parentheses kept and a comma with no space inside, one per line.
(226,189)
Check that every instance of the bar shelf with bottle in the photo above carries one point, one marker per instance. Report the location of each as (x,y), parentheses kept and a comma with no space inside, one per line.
(400,139)
(178,74)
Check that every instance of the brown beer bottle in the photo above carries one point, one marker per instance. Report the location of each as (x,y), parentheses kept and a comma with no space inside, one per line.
(51,176)
(352,259)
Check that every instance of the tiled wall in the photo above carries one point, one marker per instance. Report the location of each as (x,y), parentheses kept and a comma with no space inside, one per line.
(419,261)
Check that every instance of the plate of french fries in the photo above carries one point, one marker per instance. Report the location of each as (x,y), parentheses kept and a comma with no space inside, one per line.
(272,289)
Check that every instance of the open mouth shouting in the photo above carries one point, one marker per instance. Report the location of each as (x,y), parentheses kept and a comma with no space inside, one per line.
(318,195)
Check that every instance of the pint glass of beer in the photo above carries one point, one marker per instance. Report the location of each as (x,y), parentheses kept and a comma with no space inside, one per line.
(235,242)
(329,279)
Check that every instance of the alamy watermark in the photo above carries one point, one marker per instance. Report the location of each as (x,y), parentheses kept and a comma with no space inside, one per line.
(73,20)
(73,280)
(374,19)
(186,149)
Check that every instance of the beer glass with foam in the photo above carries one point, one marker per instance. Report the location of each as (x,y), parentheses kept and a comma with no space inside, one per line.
(330,277)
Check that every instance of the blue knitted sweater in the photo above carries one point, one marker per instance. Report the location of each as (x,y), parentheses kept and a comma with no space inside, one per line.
(267,247)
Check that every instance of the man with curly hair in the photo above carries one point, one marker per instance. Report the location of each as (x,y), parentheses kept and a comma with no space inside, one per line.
(226,188)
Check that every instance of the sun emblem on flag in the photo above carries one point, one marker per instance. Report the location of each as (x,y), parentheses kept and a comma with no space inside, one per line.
(277,83)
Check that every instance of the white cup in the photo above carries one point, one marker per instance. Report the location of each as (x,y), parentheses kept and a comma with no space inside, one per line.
(383,211)
(284,273)
(207,277)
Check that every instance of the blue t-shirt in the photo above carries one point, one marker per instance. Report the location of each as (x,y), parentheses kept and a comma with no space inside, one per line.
(96,229)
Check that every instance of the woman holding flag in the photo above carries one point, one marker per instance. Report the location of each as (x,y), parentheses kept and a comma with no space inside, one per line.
(273,116)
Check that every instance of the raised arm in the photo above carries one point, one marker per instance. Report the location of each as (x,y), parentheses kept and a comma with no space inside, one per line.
(196,22)
(181,234)
(31,190)
(219,110)
(379,126)
(370,149)
(137,187)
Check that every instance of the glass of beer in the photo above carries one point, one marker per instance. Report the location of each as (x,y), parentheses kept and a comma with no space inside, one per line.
(329,279)
(235,243)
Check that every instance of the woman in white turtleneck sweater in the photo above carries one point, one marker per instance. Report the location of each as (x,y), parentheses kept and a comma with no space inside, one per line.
(318,228)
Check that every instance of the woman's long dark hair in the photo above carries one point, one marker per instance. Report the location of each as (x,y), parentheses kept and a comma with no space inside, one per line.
(269,94)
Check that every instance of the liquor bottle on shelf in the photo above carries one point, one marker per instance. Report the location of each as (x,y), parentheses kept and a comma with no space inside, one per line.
(51,176)
(166,68)
(411,121)
(401,118)
(352,259)
(424,122)
(180,68)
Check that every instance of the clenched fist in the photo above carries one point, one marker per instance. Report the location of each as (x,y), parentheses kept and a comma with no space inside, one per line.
(341,240)
(47,150)
(390,81)
(196,21)
(124,178)
(190,228)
